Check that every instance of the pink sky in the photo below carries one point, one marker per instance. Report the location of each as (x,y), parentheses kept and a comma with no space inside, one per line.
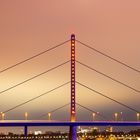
(29,27)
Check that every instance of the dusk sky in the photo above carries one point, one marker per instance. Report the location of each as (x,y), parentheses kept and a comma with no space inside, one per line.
(28,27)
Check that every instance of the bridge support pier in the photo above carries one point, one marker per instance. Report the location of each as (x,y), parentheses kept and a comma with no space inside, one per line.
(25,130)
(73,133)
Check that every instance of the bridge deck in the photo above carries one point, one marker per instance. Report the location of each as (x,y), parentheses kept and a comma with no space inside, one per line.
(10,123)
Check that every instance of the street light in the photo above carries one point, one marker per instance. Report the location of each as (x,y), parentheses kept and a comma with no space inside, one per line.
(49,116)
(3,116)
(121,113)
(26,115)
(116,116)
(94,115)
(138,116)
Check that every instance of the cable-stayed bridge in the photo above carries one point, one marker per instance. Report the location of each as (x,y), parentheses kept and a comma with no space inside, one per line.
(73,82)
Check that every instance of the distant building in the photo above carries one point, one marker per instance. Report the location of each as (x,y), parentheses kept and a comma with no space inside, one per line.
(109,129)
(37,132)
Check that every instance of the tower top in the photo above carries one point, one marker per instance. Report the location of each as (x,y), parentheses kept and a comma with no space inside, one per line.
(72,36)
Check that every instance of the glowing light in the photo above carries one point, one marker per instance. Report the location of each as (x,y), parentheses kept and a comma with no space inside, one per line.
(73,112)
(73,44)
(49,116)
(116,116)
(93,114)
(2,115)
(138,116)
(26,115)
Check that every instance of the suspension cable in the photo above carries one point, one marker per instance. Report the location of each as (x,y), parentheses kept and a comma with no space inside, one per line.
(108,77)
(118,61)
(32,99)
(92,111)
(54,110)
(122,104)
(27,80)
(34,56)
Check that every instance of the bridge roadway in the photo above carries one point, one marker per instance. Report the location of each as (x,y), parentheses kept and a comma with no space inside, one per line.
(27,123)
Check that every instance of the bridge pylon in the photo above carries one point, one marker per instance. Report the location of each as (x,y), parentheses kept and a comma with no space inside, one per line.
(73,106)
(73,129)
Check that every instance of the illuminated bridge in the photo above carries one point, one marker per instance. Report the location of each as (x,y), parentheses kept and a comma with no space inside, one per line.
(66,123)
(72,123)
